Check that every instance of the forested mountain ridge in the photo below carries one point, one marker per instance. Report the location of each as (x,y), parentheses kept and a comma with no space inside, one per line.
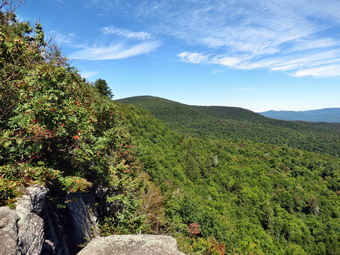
(216,196)
(232,113)
(249,197)
(238,123)
(331,115)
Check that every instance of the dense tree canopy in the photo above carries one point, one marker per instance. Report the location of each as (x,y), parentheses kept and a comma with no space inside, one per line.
(251,198)
(214,193)
(240,124)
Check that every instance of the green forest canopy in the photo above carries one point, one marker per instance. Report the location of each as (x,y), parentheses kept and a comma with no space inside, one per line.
(241,124)
(224,192)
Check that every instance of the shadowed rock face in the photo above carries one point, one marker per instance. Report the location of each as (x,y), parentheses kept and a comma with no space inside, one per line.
(35,228)
(83,217)
(22,229)
(32,229)
(132,245)
(66,229)
(31,225)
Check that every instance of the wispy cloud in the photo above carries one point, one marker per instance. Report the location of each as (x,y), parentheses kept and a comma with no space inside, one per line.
(104,3)
(111,30)
(246,34)
(226,61)
(304,45)
(199,58)
(60,38)
(193,57)
(321,71)
(88,74)
(115,51)
(289,36)
(111,43)
(217,71)
(323,64)
(243,34)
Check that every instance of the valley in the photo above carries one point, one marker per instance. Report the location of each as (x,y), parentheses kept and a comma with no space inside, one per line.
(221,180)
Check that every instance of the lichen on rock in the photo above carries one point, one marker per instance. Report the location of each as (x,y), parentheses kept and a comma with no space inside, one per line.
(8,231)
(132,245)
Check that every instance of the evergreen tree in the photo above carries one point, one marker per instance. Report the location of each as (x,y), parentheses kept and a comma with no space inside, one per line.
(103,88)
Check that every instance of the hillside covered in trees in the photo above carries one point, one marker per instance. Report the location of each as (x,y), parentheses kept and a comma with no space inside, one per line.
(220,183)
(237,123)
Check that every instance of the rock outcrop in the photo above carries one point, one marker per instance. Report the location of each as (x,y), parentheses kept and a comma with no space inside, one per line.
(22,229)
(30,225)
(83,216)
(8,231)
(67,228)
(132,245)
(36,227)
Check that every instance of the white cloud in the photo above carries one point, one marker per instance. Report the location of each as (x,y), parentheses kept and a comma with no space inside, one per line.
(249,34)
(111,30)
(62,38)
(198,58)
(192,57)
(293,62)
(115,51)
(88,74)
(323,71)
(295,65)
(304,45)
(105,48)
(226,61)
(291,36)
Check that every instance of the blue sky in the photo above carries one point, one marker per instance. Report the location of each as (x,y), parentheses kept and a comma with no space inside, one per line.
(256,54)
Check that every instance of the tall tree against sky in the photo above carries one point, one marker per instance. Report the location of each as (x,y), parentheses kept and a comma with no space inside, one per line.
(103,88)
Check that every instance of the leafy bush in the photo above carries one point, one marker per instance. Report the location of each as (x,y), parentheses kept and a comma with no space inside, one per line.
(14,177)
(58,130)
(75,184)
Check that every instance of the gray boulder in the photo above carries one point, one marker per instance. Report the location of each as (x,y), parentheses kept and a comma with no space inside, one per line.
(132,245)
(35,227)
(31,226)
(8,231)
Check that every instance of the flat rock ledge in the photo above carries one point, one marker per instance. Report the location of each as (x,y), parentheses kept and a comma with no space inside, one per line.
(132,245)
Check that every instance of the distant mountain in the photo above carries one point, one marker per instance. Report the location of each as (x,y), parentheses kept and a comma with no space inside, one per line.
(239,124)
(331,115)
(173,111)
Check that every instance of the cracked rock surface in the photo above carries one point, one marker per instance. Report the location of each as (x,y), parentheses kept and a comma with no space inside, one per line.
(30,224)
(22,229)
(8,231)
(132,245)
